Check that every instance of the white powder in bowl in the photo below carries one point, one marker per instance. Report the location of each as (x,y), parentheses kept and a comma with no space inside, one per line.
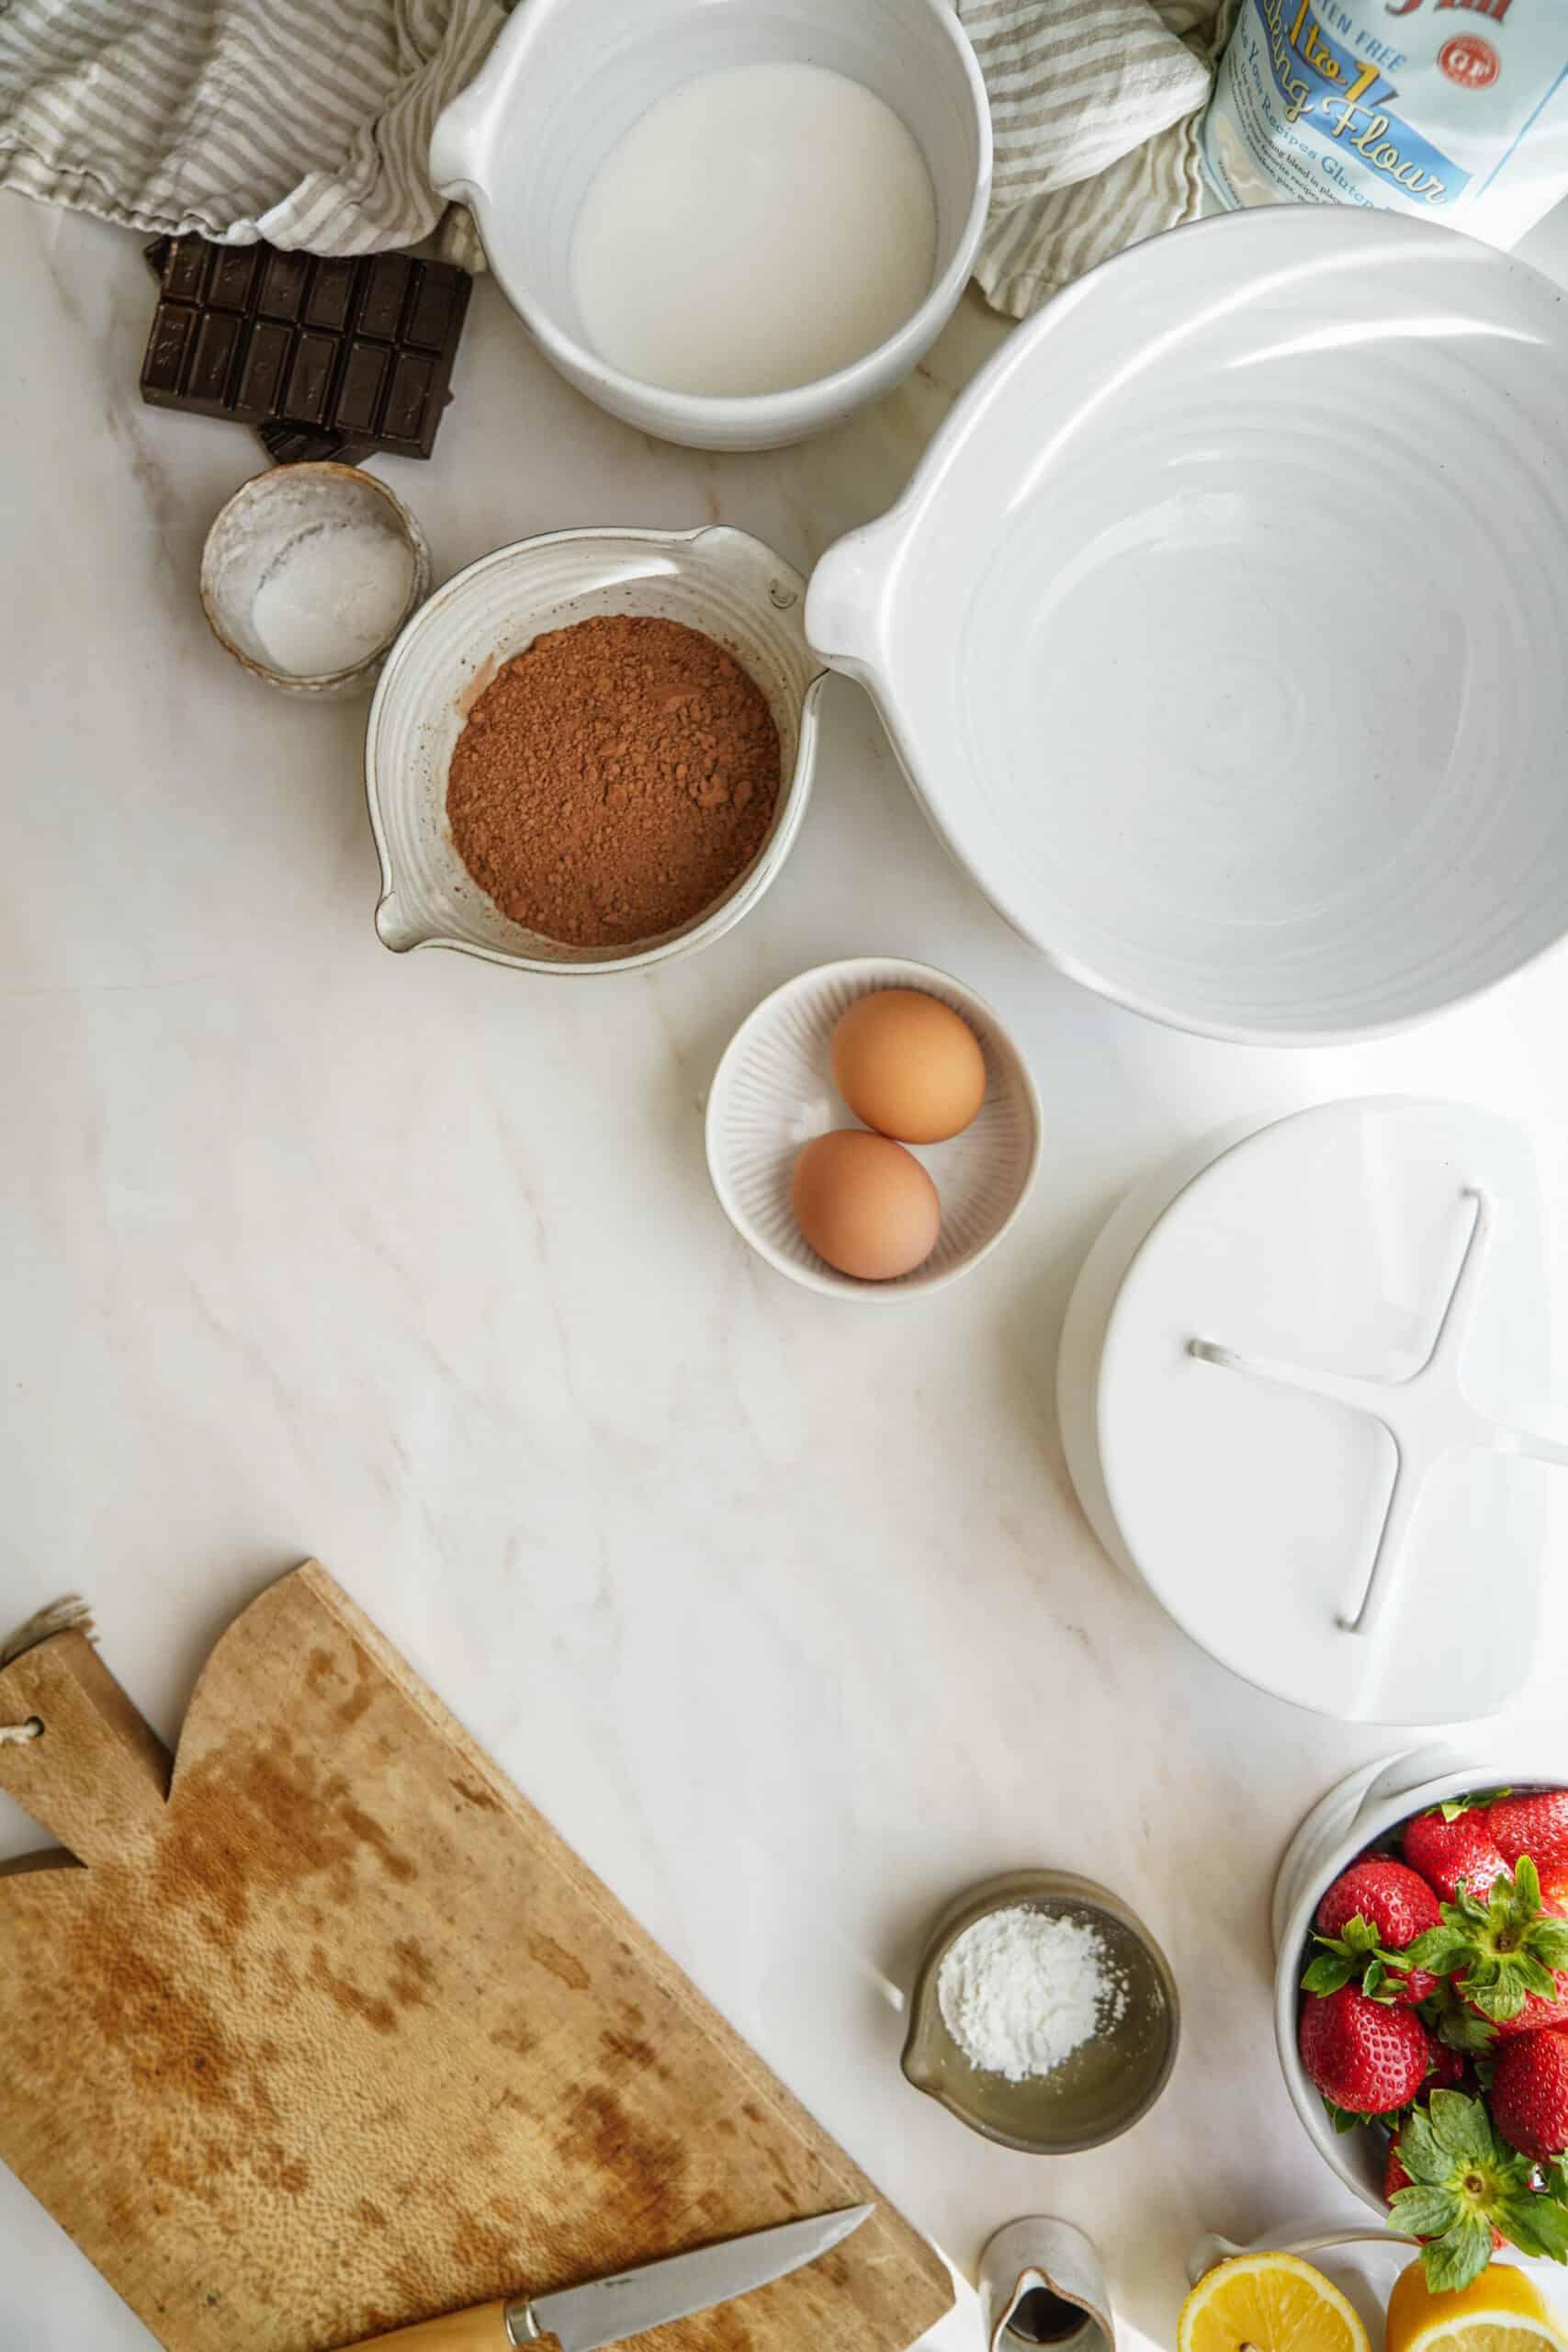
(331,596)
(1023,1989)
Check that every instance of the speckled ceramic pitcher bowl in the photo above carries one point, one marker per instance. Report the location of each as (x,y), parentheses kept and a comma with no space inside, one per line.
(1106,2083)
(724,583)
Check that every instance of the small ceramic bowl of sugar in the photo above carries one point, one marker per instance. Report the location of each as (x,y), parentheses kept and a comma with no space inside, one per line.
(308,575)
(1045,2015)
(776,1091)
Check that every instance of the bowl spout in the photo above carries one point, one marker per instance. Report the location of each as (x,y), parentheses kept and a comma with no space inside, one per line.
(396,927)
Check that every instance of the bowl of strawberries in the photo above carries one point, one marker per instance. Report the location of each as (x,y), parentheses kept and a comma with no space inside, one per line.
(1421,2001)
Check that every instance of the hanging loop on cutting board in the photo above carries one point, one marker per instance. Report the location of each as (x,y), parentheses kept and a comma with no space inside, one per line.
(96,1775)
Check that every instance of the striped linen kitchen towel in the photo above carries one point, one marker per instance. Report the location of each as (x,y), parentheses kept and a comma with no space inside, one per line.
(306,122)
(1094,110)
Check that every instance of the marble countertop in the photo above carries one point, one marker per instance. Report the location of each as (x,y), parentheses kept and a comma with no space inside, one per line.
(784,1613)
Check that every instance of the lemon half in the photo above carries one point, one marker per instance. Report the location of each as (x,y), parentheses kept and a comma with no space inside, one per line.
(1275,2303)
(1502,2311)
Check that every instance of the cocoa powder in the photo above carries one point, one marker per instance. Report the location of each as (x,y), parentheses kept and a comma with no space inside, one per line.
(613,780)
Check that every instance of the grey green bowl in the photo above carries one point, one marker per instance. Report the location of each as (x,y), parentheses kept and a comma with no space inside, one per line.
(1106,2083)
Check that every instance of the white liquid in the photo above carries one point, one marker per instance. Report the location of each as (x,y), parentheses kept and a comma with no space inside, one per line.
(331,598)
(758,228)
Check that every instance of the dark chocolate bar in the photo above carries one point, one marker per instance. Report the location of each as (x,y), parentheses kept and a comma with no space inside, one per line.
(325,356)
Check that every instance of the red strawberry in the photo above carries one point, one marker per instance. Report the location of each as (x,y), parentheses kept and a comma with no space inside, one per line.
(1362,2056)
(1392,1906)
(1446,1851)
(1529,2095)
(1447,2070)
(1542,2010)
(1535,1825)
(1394,2176)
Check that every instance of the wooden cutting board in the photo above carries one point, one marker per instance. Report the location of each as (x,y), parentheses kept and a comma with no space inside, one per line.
(333,2033)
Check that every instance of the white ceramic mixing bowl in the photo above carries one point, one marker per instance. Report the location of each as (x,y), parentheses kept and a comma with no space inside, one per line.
(1362,1809)
(567,78)
(1220,631)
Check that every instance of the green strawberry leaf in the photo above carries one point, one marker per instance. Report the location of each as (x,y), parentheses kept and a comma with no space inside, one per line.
(1439,1951)
(1425,2212)
(1463,2030)
(1327,1973)
(1462,2127)
(1343,2118)
(1451,1807)
(1504,1998)
(1500,1953)
(1460,2254)
(1536,2224)
(1358,1935)
(1376,1984)
(1421,2152)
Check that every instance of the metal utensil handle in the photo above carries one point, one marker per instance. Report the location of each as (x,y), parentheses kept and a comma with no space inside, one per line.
(482,2328)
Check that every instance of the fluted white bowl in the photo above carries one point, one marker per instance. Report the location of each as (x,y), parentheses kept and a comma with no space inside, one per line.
(774,1092)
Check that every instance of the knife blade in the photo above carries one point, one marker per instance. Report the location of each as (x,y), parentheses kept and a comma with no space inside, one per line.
(584,2319)
(608,2310)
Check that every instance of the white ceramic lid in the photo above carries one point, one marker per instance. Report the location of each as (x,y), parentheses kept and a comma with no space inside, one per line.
(1220,631)
(1355,1291)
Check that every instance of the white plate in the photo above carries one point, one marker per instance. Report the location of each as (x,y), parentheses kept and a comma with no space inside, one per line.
(773,1091)
(1220,632)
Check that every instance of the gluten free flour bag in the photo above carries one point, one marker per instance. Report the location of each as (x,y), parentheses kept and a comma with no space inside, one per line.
(1456,110)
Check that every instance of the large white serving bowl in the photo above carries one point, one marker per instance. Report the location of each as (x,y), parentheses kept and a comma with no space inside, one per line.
(567,79)
(1220,632)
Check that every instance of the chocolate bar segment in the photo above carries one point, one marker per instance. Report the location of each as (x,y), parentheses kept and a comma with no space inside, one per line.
(311,378)
(307,445)
(262,374)
(328,357)
(359,396)
(331,293)
(409,400)
(168,349)
(385,286)
(285,277)
(186,271)
(431,323)
(211,369)
(232,278)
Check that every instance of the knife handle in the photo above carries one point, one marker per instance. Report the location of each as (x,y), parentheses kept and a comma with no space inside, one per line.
(480,2329)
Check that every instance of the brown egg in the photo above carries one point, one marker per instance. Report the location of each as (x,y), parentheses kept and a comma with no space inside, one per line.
(865,1204)
(908,1066)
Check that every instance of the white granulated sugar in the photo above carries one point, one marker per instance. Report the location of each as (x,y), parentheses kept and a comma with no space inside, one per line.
(1023,1989)
(331,597)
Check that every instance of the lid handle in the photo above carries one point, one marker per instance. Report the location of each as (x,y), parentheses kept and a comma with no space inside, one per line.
(1427,1414)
